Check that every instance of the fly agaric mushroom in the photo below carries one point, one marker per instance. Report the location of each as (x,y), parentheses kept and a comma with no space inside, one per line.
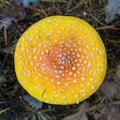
(60,60)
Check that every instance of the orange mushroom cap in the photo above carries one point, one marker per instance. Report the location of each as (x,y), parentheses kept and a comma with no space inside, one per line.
(60,60)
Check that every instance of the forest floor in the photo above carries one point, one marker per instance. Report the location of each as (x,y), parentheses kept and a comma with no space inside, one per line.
(15,18)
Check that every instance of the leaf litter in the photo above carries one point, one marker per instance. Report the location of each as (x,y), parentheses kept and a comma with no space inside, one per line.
(18,15)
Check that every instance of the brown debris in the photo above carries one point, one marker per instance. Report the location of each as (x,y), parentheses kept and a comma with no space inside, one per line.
(111,86)
(110,116)
(118,72)
(16,11)
(110,112)
(80,115)
(11,13)
(109,89)
(4,110)
(54,0)
(2,79)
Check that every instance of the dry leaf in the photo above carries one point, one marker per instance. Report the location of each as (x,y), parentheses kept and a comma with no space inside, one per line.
(110,116)
(111,10)
(81,115)
(6,22)
(15,11)
(109,88)
(11,13)
(27,3)
(54,0)
(33,102)
(110,112)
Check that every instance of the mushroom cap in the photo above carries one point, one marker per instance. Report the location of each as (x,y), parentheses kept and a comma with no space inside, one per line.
(60,60)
